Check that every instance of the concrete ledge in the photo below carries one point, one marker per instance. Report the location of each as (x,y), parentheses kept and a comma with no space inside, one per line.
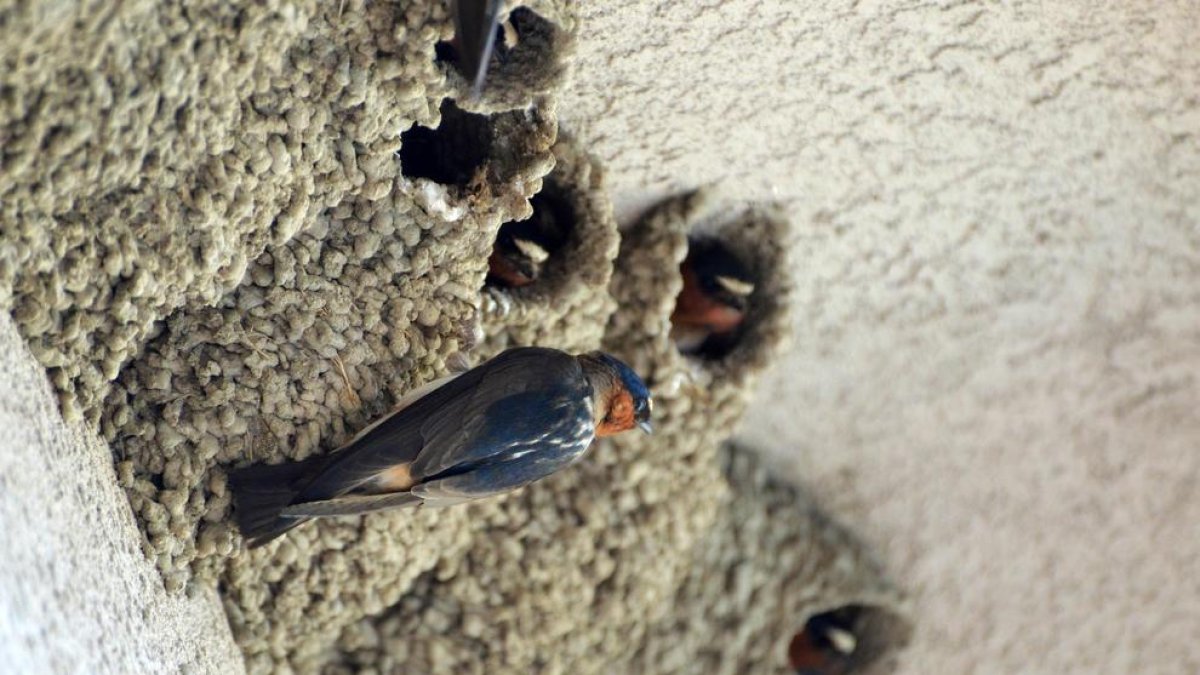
(76,593)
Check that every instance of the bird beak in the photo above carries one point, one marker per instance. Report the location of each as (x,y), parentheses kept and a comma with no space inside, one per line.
(646,426)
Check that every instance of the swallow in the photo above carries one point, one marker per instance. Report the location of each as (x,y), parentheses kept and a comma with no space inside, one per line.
(523,247)
(825,645)
(716,291)
(508,422)
(476,25)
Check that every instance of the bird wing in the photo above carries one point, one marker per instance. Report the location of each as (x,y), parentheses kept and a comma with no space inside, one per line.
(529,399)
(393,440)
(475,23)
(350,505)
(495,478)
(465,420)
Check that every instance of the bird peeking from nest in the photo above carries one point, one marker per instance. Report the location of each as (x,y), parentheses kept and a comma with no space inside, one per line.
(524,247)
(712,306)
(826,644)
(515,419)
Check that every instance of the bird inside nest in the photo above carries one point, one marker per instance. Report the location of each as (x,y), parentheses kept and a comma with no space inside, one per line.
(711,308)
(524,248)
(826,645)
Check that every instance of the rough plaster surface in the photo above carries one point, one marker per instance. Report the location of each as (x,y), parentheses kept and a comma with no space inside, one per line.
(996,367)
(76,593)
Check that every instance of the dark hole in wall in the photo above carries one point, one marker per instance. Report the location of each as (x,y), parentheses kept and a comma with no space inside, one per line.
(525,250)
(844,640)
(827,643)
(452,153)
(710,312)
(445,52)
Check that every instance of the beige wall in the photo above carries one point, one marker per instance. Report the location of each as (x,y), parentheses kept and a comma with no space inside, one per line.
(996,372)
(77,595)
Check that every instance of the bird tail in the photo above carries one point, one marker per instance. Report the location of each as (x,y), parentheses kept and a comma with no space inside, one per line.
(262,491)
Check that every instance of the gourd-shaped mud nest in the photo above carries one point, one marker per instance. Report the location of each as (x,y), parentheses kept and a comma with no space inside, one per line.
(236,235)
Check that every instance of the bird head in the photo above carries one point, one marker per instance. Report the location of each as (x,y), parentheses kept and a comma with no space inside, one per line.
(515,261)
(621,398)
(713,301)
(720,275)
(825,645)
(524,247)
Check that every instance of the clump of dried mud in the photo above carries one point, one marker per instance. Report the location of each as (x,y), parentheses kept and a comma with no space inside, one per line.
(151,153)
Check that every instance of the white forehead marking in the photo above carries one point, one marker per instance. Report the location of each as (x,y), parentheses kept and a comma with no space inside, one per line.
(736,286)
(842,640)
(535,253)
(511,37)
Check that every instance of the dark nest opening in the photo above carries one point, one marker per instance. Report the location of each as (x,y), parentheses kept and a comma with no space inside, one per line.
(451,154)
(844,640)
(527,251)
(714,306)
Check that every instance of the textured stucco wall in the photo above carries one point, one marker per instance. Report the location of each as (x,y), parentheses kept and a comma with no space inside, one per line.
(77,595)
(996,369)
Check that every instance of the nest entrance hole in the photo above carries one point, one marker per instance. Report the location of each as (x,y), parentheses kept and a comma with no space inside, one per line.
(844,640)
(713,308)
(452,154)
(526,251)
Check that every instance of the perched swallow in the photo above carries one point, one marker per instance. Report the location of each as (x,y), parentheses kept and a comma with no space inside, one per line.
(523,246)
(825,645)
(514,419)
(712,304)
(476,23)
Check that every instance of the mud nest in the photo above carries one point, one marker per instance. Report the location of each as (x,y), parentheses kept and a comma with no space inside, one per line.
(566,575)
(237,234)
(770,563)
